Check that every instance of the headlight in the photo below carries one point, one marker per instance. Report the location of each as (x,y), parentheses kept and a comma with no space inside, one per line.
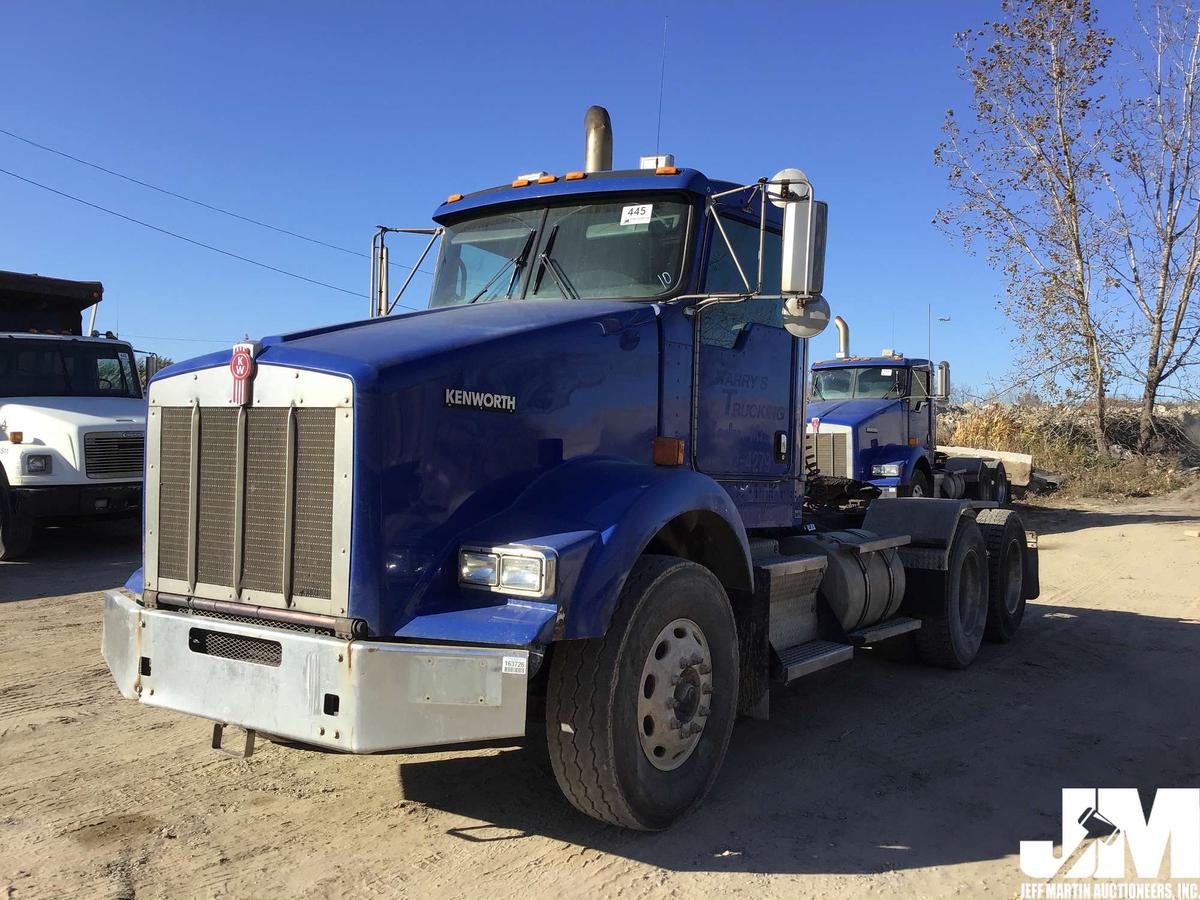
(527,571)
(38,464)
(479,569)
(887,470)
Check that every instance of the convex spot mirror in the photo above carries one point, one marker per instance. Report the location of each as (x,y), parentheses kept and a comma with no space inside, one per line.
(805,317)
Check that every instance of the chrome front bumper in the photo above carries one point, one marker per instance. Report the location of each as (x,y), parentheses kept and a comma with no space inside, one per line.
(354,696)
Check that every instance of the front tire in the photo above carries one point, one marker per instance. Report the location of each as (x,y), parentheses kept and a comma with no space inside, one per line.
(919,485)
(16,531)
(638,721)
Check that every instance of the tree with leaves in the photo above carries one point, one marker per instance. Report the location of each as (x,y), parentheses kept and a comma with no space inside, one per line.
(1026,173)
(1155,189)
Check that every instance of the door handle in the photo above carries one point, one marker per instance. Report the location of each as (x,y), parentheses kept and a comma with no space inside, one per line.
(781,446)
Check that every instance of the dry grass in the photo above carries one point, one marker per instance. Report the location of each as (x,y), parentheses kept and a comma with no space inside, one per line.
(1060,441)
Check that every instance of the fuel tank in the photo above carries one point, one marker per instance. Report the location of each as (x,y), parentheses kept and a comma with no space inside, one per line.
(859,588)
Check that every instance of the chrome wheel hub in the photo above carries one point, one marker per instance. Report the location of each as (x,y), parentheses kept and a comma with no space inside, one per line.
(674,694)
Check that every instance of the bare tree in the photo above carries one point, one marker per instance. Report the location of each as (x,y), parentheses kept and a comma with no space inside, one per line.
(1027,173)
(1155,188)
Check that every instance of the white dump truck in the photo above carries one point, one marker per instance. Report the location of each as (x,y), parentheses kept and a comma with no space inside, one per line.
(72,412)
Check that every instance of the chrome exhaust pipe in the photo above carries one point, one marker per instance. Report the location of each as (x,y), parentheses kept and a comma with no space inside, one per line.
(597,130)
(843,337)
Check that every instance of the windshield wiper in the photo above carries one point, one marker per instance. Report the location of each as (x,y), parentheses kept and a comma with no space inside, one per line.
(548,263)
(517,262)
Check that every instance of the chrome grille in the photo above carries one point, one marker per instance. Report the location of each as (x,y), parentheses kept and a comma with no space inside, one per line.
(113,454)
(829,451)
(268,499)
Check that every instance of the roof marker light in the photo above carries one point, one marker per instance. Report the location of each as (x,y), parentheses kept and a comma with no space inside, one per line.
(454,198)
(667,170)
(574,176)
(520,182)
(548,179)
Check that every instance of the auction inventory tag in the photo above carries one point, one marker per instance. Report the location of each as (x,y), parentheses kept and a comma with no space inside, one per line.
(636,215)
(513,665)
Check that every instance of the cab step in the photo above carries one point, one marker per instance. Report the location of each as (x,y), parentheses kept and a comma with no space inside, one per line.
(888,628)
(811,656)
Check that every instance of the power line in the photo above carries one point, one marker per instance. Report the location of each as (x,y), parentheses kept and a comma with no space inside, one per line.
(177,236)
(193,200)
(162,337)
(178,196)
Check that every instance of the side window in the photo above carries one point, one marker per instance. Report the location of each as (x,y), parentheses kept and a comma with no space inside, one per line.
(721,324)
(920,384)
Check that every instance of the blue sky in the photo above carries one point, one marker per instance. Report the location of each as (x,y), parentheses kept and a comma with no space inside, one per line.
(328,119)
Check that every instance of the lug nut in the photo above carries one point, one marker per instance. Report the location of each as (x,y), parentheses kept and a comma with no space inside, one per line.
(704,670)
(706,688)
(702,711)
(672,703)
(673,724)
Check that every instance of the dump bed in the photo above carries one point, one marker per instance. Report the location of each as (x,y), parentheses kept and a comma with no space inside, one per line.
(38,303)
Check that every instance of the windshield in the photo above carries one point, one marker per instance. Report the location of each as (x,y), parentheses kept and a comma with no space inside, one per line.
(52,368)
(866,382)
(619,249)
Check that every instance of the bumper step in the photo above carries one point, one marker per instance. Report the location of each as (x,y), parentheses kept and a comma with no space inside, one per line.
(811,656)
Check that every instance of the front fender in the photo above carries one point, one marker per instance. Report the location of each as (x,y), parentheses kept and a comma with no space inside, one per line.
(610,509)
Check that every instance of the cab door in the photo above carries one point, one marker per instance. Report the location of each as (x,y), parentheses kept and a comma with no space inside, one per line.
(920,410)
(746,367)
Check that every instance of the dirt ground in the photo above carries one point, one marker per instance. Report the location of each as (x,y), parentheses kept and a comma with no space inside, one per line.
(878,776)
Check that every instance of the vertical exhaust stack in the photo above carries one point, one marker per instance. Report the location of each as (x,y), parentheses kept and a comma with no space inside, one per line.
(843,337)
(597,129)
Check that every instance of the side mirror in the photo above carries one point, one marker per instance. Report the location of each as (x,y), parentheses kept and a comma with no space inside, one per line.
(941,390)
(804,225)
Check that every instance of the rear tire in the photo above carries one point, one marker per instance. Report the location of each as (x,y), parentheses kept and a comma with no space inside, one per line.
(611,705)
(1001,490)
(950,637)
(1005,538)
(16,531)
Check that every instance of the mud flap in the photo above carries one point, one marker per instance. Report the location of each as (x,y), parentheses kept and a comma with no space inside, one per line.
(1030,583)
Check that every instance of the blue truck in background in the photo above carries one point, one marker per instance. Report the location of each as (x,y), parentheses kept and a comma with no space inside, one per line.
(873,423)
(567,500)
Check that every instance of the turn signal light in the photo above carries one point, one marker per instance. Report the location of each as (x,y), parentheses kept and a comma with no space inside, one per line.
(16,436)
(668,451)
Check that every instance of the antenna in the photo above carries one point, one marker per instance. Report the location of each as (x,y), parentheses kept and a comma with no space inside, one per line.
(662,80)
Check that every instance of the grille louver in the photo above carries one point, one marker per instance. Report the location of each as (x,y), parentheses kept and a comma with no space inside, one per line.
(113,454)
(829,450)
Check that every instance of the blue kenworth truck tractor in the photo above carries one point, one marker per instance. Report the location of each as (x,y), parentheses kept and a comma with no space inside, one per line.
(872,430)
(568,498)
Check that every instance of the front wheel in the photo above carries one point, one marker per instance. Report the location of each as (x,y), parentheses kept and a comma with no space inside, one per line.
(638,721)
(919,486)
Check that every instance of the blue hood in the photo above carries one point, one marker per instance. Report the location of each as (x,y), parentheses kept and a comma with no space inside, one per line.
(848,412)
(583,376)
